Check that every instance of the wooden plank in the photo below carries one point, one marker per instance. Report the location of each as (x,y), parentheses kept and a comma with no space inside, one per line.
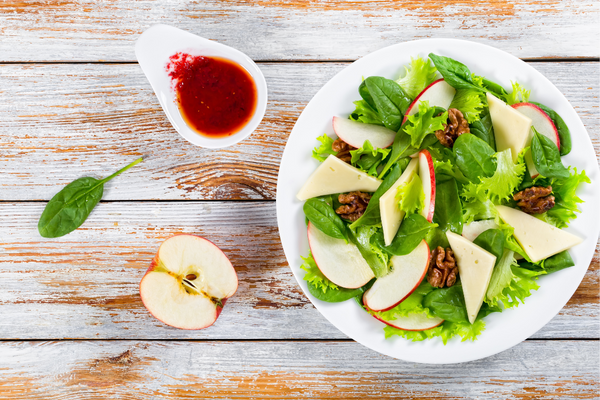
(60,122)
(86,30)
(85,285)
(258,370)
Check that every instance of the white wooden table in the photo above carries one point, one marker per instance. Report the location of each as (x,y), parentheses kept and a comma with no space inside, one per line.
(74,102)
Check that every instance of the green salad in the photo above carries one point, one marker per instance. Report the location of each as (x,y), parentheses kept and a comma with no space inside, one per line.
(442,200)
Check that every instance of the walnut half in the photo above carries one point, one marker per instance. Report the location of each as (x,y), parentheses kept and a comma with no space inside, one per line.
(442,268)
(342,149)
(456,126)
(355,204)
(535,200)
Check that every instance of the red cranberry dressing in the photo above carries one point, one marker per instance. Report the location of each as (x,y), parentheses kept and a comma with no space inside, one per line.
(216,97)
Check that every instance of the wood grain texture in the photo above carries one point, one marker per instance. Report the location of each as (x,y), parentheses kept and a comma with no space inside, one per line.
(319,370)
(85,285)
(61,122)
(90,30)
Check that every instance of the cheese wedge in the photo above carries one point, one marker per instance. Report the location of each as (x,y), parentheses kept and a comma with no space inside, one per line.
(335,176)
(391,215)
(475,267)
(511,128)
(539,239)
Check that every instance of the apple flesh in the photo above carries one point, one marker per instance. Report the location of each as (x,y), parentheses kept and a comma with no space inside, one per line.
(438,94)
(406,275)
(427,175)
(475,228)
(355,133)
(188,282)
(339,261)
(413,322)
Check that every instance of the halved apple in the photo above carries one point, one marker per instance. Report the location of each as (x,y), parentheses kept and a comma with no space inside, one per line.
(188,282)
(413,322)
(355,133)
(405,276)
(339,261)
(438,94)
(427,175)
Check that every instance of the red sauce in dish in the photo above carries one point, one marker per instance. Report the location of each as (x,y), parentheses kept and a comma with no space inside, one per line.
(216,96)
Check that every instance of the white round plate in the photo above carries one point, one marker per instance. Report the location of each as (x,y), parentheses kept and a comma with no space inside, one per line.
(503,330)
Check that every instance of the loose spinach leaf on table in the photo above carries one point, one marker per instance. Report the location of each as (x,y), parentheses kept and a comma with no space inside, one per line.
(474,157)
(448,303)
(388,99)
(491,240)
(546,157)
(323,216)
(564,135)
(70,207)
(484,130)
(448,210)
(413,230)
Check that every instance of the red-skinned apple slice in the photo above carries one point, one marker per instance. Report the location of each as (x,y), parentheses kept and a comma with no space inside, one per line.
(407,273)
(339,261)
(540,121)
(427,175)
(412,322)
(355,133)
(438,94)
(188,282)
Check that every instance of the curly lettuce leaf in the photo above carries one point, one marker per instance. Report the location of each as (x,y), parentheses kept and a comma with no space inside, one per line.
(477,210)
(446,331)
(413,304)
(423,123)
(564,191)
(323,151)
(470,102)
(410,196)
(500,186)
(365,113)
(518,95)
(419,74)
(315,276)
(501,277)
(368,158)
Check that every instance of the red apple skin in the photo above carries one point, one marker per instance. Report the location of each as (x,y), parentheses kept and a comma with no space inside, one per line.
(432,176)
(404,329)
(153,265)
(416,100)
(543,113)
(409,293)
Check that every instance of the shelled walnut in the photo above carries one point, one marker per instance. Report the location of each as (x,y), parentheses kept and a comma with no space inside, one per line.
(355,204)
(443,270)
(456,126)
(343,150)
(535,200)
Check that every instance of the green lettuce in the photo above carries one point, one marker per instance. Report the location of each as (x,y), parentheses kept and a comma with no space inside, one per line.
(470,102)
(315,276)
(478,210)
(413,304)
(365,113)
(564,191)
(324,150)
(410,196)
(445,331)
(423,123)
(501,277)
(419,75)
(518,95)
(368,158)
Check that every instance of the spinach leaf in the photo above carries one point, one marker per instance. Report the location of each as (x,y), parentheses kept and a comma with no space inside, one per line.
(401,144)
(448,211)
(372,216)
(373,255)
(493,88)
(333,295)
(564,135)
(436,237)
(552,264)
(323,216)
(366,95)
(484,130)
(389,100)
(413,230)
(448,304)
(491,240)
(70,207)
(474,157)
(455,73)
(546,157)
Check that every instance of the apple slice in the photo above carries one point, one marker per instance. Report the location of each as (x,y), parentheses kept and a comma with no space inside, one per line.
(391,214)
(407,273)
(539,239)
(427,175)
(475,267)
(475,228)
(188,282)
(335,176)
(339,261)
(412,322)
(355,133)
(438,94)
(511,128)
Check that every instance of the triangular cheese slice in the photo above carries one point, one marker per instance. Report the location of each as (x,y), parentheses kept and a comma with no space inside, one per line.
(475,267)
(539,239)
(335,176)
(511,128)
(391,215)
